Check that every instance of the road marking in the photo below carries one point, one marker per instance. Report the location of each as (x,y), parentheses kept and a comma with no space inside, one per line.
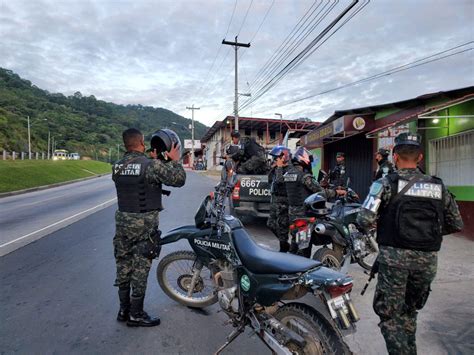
(58,222)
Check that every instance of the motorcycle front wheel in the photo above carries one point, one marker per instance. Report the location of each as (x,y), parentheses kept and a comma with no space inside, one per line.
(320,336)
(175,274)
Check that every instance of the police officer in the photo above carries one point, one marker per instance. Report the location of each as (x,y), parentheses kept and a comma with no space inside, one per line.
(235,150)
(338,176)
(138,181)
(385,166)
(278,221)
(414,211)
(300,183)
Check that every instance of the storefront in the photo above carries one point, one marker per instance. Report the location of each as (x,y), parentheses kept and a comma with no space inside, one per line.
(344,134)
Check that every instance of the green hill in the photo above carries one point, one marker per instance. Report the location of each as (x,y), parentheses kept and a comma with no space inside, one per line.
(78,123)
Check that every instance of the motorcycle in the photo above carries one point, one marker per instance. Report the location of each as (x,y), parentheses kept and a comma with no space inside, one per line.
(338,227)
(254,286)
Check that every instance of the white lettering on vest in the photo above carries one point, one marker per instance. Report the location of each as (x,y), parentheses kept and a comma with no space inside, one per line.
(422,189)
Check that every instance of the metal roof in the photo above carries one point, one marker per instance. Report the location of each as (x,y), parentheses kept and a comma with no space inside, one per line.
(255,123)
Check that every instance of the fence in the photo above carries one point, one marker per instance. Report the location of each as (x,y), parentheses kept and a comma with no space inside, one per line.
(24,155)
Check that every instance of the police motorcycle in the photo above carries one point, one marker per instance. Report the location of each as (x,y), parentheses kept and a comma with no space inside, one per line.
(337,227)
(254,286)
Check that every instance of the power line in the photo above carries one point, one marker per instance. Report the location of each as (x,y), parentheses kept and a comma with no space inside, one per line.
(284,43)
(294,45)
(298,59)
(217,54)
(245,18)
(397,69)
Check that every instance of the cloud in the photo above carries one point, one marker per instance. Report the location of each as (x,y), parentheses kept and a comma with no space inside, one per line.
(160,52)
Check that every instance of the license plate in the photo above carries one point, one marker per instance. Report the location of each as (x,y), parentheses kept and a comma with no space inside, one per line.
(337,303)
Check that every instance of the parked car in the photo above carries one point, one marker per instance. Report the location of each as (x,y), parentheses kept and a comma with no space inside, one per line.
(74,156)
(60,154)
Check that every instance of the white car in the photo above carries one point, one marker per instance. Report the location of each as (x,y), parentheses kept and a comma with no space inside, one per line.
(74,156)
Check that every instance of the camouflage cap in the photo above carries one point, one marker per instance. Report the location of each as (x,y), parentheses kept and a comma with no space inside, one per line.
(340,154)
(408,139)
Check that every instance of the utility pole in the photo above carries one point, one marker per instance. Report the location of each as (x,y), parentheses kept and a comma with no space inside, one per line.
(236,98)
(110,155)
(281,118)
(29,138)
(49,140)
(118,152)
(192,108)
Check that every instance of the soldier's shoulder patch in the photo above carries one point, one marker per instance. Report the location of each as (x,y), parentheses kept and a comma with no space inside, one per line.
(376,188)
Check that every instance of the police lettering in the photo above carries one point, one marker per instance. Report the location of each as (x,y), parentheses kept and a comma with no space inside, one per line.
(423,189)
(211,244)
(130,169)
(260,192)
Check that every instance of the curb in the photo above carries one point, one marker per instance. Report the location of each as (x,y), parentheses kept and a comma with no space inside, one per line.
(45,187)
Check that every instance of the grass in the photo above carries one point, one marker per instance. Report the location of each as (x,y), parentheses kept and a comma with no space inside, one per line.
(22,174)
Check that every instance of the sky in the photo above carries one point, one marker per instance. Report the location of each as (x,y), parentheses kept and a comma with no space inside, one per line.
(170,54)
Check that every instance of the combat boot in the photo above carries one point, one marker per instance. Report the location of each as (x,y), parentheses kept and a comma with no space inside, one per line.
(138,317)
(124,297)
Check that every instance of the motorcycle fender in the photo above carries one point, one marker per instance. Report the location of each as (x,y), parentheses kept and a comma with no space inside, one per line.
(184,232)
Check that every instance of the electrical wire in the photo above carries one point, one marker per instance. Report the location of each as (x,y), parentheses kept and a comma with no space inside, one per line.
(397,69)
(303,55)
(245,18)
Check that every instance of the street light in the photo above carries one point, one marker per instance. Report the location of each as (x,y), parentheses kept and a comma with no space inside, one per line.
(29,135)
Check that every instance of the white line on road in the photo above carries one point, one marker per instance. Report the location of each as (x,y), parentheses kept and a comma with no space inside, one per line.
(58,222)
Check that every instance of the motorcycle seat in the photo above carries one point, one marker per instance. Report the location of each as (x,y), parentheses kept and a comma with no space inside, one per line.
(263,261)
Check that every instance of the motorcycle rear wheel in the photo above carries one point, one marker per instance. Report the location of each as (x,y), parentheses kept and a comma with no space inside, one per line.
(177,286)
(320,336)
(328,257)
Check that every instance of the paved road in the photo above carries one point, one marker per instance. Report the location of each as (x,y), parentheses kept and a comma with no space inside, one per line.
(28,217)
(57,296)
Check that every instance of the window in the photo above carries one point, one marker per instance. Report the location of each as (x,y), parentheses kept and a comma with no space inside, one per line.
(452,159)
(272,134)
(248,132)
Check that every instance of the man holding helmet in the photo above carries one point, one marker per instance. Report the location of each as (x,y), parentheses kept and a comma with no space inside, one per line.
(138,180)
(385,166)
(278,221)
(413,211)
(300,183)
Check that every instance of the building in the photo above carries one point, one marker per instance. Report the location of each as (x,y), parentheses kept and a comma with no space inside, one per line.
(445,120)
(267,132)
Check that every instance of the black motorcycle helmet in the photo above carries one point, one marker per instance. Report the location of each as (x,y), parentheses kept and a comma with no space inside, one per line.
(316,204)
(163,140)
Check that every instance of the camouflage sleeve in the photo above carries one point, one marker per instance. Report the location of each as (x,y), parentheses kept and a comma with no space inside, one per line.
(169,173)
(452,217)
(378,196)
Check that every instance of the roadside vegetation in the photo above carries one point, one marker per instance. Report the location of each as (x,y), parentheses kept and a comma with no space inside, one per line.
(23,174)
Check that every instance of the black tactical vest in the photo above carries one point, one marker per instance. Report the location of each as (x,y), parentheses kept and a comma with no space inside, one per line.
(295,189)
(277,188)
(414,220)
(337,177)
(385,168)
(134,194)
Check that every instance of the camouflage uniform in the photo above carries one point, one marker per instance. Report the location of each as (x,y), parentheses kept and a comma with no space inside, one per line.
(278,221)
(385,168)
(405,275)
(133,229)
(338,175)
(295,211)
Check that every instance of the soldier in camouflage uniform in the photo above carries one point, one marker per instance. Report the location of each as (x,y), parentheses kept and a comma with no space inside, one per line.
(385,166)
(138,182)
(300,183)
(413,211)
(338,175)
(278,221)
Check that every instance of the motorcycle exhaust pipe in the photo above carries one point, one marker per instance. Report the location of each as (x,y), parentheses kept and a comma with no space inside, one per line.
(325,229)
